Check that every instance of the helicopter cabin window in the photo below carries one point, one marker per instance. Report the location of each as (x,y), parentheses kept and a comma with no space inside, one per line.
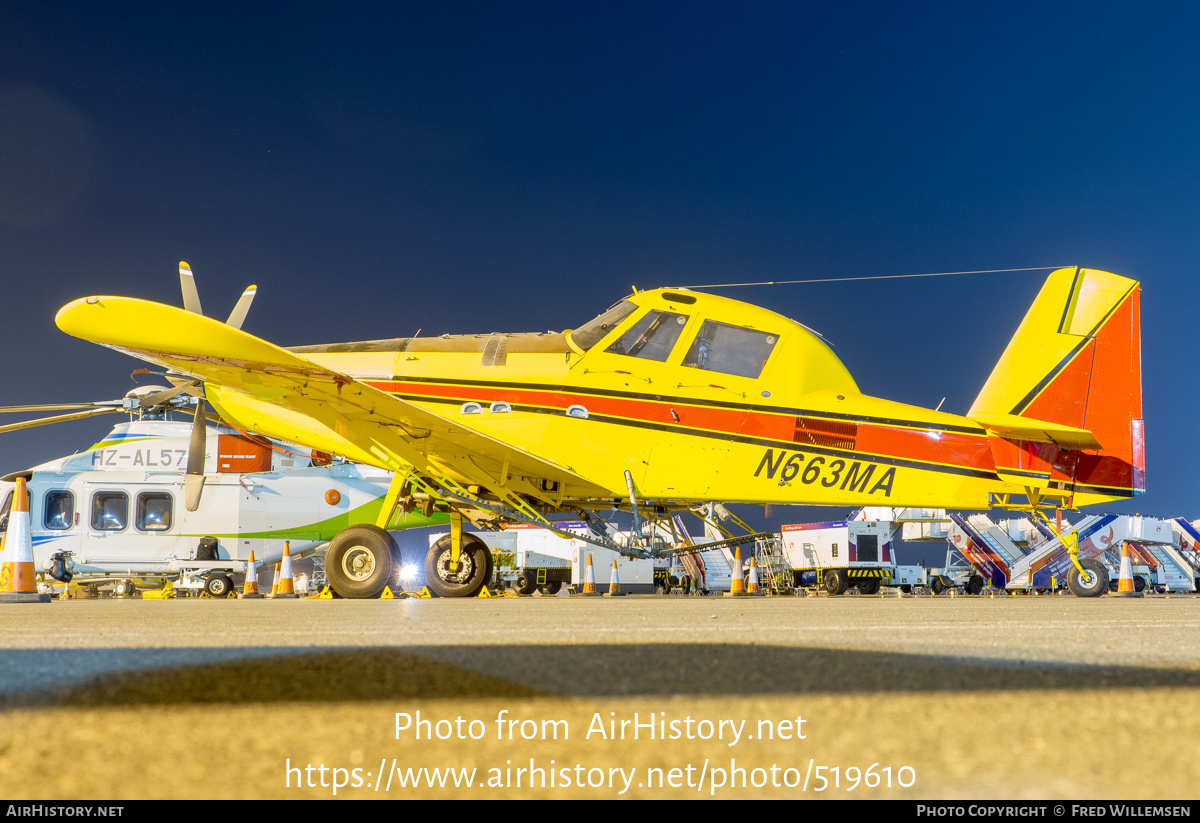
(592,332)
(110,511)
(154,511)
(730,349)
(4,509)
(652,337)
(60,511)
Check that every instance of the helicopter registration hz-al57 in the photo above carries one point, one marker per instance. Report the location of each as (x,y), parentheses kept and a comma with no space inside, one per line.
(668,398)
(114,512)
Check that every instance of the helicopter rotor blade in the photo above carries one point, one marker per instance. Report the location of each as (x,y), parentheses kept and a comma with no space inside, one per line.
(158,398)
(238,315)
(47,407)
(60,418)
(193,479)
(191,297)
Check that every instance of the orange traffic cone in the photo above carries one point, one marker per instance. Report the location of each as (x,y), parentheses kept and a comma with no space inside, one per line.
(18,583)
(1125,587)
(250,587)
(736,587)
(286,587)
(589,580)
(614,585)
(752,588)
(275,582)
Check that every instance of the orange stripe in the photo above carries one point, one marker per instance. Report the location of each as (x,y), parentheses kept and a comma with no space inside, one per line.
(945,448)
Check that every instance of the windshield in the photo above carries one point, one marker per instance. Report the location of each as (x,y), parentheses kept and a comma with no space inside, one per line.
(652,337)
(592,332)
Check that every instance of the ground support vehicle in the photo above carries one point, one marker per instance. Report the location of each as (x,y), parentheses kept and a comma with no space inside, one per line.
(1047,566)
(527,559)
(1187,546)
(840,554)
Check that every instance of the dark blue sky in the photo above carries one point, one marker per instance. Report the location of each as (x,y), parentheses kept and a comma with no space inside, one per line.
(458,167)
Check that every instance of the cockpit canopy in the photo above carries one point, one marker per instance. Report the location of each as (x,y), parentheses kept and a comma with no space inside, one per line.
(714,334)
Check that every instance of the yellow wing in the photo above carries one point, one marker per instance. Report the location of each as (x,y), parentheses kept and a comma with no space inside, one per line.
(264,388)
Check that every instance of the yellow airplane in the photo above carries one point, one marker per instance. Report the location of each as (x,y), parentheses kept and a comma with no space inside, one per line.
(669,398)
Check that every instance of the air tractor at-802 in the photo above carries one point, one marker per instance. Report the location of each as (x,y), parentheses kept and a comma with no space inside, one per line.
(670,398)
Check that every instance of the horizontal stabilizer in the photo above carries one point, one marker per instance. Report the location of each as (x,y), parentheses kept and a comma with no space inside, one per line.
(1014,427)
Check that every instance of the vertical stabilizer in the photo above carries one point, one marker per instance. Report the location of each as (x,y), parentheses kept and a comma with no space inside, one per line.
(1075,361)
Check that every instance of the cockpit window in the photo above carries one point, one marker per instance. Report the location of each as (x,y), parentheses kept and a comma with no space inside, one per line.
(652,337)
(730,349)
(60,511)
(591,333)
(110,511)
(7,506)
(154,511)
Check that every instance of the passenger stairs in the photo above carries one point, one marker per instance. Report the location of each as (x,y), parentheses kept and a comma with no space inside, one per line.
(1046,565)
(1188,539)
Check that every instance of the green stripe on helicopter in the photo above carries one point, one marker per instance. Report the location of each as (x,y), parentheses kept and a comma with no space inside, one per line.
(324,530)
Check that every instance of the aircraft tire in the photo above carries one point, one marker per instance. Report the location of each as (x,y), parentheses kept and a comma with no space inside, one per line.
(218,585)
(869,585)
(835,581)
(1094,584)
(476,568)
(358,562)
(974,584)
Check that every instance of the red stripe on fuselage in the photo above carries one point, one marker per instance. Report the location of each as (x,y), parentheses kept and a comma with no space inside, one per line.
(948,448)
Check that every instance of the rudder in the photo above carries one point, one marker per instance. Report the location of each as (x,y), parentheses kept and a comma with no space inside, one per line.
(1075,361)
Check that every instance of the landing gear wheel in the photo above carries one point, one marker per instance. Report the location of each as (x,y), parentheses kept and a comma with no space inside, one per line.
(552,587)
(358,562)
(1092,582)
(974,584)
(218,585)
(835,581)
(869,586)
(522,585)
(473,572)
(936,585)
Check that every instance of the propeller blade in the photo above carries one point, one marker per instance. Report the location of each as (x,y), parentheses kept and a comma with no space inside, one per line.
(60,418)
(191,297)
(238,315)
(193,480)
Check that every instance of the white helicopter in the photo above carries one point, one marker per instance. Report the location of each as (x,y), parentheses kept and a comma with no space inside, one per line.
(155,501)
(116,512)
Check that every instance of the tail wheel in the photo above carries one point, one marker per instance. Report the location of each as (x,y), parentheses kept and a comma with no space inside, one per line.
(835,581)
(1093,581)
(358,562)
(471,575)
